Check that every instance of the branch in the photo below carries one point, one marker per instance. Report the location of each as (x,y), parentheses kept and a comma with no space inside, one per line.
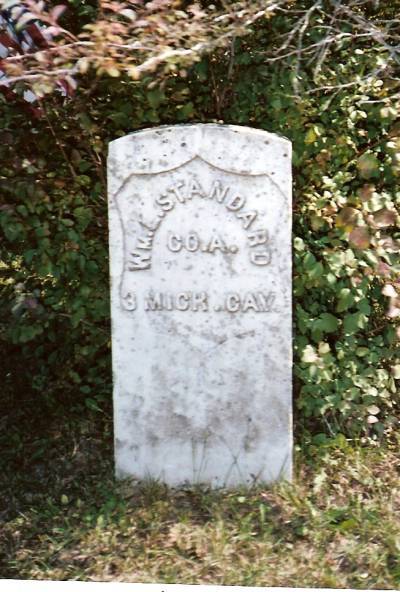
(135,42)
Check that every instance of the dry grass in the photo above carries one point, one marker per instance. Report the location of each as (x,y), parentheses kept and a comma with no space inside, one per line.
(337,525)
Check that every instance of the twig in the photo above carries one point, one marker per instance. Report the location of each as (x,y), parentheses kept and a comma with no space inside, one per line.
(59,144)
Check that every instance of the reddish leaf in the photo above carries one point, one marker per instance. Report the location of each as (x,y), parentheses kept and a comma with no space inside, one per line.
(366,191)
(388,290)
(383,269)
(57,11)
(7,41)
(347,218)
(359,237)
(38,38)
(384,218)
(389,244)
(394,308)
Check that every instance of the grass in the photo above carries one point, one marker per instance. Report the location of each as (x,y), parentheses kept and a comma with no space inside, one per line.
(64,517)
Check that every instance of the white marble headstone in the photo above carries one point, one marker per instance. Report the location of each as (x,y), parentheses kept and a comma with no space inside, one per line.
(200,247)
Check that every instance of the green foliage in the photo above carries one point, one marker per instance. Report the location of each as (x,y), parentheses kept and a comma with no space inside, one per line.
(346,155)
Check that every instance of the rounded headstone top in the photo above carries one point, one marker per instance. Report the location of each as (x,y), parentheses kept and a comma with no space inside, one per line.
(237,149)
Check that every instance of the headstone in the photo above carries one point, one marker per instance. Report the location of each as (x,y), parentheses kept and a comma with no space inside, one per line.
(200,247)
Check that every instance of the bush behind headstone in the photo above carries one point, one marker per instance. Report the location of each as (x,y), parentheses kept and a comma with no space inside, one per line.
(54,289)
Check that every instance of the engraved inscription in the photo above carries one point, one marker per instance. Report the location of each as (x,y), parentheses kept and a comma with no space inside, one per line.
(194,301)
(231,302)
(139,258)
(258,301)
(130,302)
(192,243)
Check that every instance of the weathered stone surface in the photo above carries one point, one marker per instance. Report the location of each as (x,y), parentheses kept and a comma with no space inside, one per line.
(200,237)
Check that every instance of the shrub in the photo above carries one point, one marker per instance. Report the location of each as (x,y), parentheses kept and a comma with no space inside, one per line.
(346,140)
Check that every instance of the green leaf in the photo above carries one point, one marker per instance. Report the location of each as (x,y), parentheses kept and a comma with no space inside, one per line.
(67,222)
(201,70)
(155,97)
(92,404)
(326,323)
(364,306)
(309,261)
(352,323)
(368,166)
(186,111)
(345,299)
